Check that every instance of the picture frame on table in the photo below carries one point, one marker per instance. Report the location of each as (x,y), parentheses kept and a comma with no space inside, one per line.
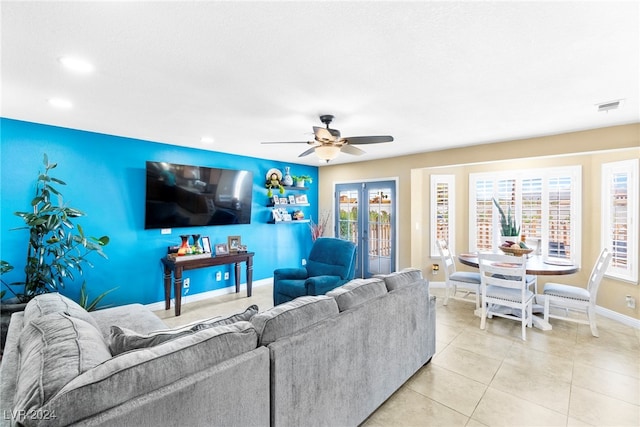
(206,245)
(302,199)
(222,249)
(233,243)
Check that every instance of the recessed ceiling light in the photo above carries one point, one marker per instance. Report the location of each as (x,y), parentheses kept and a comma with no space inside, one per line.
(207,140)
(610,105)
(76,64)
(60,103)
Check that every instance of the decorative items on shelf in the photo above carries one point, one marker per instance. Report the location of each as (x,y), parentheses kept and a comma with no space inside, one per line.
(300,180)
(287,179)
(222,249)
(196,248)
(274,180)
(280,214)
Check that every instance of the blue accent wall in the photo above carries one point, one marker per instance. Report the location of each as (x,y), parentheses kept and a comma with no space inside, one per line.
(105,178)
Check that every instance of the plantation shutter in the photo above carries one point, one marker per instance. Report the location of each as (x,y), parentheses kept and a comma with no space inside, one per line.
(442,211)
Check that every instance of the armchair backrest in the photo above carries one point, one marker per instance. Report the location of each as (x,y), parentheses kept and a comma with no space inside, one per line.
(333,257)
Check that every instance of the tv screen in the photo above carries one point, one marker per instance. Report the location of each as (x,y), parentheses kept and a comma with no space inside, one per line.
(192,196)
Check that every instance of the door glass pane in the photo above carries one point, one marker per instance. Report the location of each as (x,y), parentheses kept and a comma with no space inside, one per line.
(379,230)
(348,218)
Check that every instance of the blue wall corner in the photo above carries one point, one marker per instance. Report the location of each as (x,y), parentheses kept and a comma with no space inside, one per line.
(105,178)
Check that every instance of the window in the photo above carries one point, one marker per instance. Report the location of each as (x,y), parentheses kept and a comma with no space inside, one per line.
(619,209)
(442,211)
(545,203)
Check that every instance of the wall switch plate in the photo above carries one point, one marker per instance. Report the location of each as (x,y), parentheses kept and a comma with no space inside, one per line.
(186,283)
(226,275)
(218,276)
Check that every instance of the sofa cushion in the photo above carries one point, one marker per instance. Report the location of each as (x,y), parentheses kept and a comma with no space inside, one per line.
(54,349)
(123,339)
(293,316)
(357,291)
(138,373)
(402,278)
(54,302)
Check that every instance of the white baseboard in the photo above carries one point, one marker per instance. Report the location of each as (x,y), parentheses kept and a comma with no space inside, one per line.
(186,299)
(605,312)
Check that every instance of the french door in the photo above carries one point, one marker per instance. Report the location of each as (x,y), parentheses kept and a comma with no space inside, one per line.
(366,215)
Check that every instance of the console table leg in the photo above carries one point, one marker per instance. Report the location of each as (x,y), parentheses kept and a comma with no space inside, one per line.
(167,288)
(237,267)
(177,288)
(249,275)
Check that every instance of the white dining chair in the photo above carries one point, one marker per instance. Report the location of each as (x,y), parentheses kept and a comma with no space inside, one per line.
(467,281)
(504,289)
(574,298)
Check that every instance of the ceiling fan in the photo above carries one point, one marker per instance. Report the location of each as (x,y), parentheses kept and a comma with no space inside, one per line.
(328,143)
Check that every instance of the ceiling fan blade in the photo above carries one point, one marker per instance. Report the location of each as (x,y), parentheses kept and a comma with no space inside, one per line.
(350,149)
(368,139)
(309,151)
(287,142)
(323,135)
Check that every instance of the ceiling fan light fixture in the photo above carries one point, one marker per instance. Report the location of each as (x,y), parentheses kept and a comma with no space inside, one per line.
(327,152)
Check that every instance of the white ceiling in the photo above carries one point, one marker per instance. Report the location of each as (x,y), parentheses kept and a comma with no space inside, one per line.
(432,74)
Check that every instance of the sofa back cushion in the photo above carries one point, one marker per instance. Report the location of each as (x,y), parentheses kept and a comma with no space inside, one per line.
(123,339)
(357,292)
(54,349)
(402,278)
(137,373)
(288,318)
(54,302)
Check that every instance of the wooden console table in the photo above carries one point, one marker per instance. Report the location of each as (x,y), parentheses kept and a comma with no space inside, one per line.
(177,267)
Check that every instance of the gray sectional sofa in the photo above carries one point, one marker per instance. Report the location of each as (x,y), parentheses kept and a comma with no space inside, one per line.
(320,360)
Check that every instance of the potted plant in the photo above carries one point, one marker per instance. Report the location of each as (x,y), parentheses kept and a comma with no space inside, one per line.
(300,180)
(57,248)
(508,225)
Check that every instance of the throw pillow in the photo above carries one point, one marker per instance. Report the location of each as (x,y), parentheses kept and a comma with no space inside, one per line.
(123,339)
(55,349)
(402,278)
(54,302)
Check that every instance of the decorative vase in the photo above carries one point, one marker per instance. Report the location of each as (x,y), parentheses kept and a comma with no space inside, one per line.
(184,247)
(196,244)
(300,183)
(287,179)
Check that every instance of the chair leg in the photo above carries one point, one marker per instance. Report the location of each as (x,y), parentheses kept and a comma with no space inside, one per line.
(483,316)
(546,308)
(591,313)
(446,293)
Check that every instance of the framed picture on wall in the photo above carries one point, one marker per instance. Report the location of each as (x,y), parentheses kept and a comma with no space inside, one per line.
(234,243)
(222,249)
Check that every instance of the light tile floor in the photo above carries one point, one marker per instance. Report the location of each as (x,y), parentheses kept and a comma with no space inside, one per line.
(563,377)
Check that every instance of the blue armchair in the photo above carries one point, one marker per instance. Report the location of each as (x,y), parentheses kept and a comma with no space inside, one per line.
(331,263)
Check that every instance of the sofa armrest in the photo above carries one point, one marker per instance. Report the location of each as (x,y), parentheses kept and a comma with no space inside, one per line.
(320,285)
(290,274)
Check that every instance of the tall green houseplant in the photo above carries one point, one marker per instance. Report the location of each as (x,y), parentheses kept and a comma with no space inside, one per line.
(57,249)
(508,226)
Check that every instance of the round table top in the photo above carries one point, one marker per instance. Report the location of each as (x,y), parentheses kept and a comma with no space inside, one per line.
(535,265)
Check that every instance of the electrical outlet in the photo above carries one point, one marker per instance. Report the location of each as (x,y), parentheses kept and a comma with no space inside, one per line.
(304,261)
(218,276)
(186,282)
(631,301)
(226,275)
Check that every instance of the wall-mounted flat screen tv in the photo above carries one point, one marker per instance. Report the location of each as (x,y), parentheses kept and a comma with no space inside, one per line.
(193,196)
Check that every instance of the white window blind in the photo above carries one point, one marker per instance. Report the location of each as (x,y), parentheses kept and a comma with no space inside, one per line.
(442,211)
(545,203)
(619,217)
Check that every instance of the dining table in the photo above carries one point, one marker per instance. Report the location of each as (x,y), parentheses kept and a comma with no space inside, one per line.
(536,265)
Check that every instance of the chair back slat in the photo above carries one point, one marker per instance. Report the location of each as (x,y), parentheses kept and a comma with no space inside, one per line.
(503,270)
(597,273)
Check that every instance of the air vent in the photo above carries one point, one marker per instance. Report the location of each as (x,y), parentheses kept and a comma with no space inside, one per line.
(611,105)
